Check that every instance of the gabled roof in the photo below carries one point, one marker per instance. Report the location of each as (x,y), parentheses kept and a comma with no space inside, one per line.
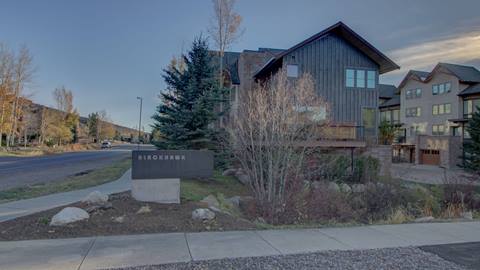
(342,30)
(386,90)
(394,101)
(465,74)
(473,89)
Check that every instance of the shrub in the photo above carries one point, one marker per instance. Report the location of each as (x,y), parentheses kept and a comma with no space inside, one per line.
(365,169)
(399,216)
(326,205)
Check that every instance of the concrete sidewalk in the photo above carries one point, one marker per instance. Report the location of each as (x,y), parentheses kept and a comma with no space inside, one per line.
(20,208)
(136,250)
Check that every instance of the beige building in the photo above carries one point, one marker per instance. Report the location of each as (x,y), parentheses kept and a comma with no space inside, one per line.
(430,106)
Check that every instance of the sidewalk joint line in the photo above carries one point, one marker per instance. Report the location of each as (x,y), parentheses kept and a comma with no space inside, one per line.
(268,243)
(188,246)
(88,251)
(335,239)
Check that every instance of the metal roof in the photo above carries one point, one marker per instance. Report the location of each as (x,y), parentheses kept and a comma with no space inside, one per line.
(472,89)
(466,74)
(386,90)
(394,101)
(342,30)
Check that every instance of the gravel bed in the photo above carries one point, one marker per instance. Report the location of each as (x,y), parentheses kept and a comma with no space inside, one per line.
(388,258)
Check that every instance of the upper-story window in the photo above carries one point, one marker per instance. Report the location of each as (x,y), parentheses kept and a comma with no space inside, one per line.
(470,107)
(371,78)
(292,71)
(413,93)
(438,130)
(440,89)
(441,109)
(360,78)
(413,112)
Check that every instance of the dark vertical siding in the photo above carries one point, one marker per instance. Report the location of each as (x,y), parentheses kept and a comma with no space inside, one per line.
(326,60)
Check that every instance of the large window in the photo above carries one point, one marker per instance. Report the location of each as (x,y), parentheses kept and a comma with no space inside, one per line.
(371,79)
(350,78)
(413,93)
(413,112)
(439,109)
(440,89)
(438,130)
(391,116)
(360,78)
(469,107)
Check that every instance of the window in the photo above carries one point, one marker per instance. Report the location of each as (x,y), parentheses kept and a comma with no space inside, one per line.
(361,78)
(368,118)
(469,107)
(442,109)
(413,112)
(438,130)
(457,131)
(440,89)
(350,78)
(356,78)
(413,93)
(371,79)
(396,116)
(292,71)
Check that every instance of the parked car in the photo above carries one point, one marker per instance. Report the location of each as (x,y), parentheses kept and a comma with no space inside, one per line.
(106,144)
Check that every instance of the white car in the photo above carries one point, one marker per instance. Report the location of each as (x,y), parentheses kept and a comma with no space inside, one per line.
(106,144)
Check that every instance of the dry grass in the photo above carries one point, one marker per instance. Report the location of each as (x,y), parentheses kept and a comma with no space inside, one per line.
(89,179)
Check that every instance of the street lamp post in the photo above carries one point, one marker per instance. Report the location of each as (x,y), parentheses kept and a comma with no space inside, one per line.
(139,123)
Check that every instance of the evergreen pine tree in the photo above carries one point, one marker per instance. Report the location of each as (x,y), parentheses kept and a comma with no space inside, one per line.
(185,117)
(472,146)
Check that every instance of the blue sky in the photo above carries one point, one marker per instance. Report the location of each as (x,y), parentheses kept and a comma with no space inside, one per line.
(108,52)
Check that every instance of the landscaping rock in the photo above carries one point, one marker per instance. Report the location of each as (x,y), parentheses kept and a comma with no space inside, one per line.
(260,220)
(332,186)
(243,178)
(234,201)
(424,219)
(144,210)
(203,214)
(467,215)
(119,219)
(358,188)
(211,201)
(69,215)
(229,172)
(101,206)
(345,188)
(316,185)
(95,197)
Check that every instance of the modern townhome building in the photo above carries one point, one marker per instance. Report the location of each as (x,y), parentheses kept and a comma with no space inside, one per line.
(434,107)
(346,70)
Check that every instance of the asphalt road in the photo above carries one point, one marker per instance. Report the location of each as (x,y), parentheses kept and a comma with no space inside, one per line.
(23,171)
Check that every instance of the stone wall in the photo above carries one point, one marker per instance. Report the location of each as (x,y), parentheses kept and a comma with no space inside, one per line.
(384,155)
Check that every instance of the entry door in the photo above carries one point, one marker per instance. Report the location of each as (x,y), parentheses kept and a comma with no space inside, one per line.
(369,120)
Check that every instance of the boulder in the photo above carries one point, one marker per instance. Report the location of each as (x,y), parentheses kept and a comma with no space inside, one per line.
(424,219)
(345,188)
(101,206)
(243,178)
(203,214)
(144,210)
(467,215)
(357,188)
(95,197)
(332,186)
(69,215)
(316,185)
(229,172)
(119,219)
(234,201)
(211,201)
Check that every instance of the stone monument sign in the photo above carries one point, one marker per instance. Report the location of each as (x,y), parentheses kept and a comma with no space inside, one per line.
(156,174)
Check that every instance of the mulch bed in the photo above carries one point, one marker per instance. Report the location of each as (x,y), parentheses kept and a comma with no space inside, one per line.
(162,218)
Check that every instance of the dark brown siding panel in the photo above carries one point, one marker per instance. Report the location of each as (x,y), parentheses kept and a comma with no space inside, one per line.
(326,60)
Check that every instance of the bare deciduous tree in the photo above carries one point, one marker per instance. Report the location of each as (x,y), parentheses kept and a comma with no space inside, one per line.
(224,28)
(272,137)
(63,99)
